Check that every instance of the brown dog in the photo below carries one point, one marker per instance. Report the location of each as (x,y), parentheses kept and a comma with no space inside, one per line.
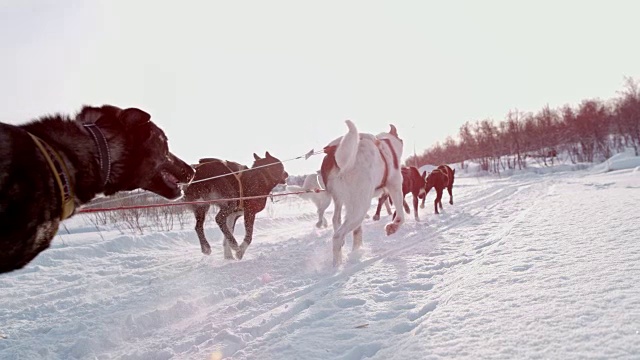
(440,178)
(220,179)
(412,182)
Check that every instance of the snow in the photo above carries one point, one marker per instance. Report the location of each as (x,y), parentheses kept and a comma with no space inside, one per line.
(542,263)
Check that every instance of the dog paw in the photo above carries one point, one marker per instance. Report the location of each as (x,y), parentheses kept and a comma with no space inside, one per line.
(206,249)
(376,217)
(451,202)
(422,206)
(241,250)
(337,262)
(233,245)
(391,228)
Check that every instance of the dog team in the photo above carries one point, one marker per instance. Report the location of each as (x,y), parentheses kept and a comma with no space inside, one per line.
(56,163)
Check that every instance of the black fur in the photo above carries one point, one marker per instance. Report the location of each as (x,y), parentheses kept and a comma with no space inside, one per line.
(266,173)
(30,200)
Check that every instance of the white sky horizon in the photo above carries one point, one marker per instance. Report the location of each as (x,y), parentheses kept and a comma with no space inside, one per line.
(227,79)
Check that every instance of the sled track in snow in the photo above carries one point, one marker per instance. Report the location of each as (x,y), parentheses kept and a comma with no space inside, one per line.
(306,297)
(225,302)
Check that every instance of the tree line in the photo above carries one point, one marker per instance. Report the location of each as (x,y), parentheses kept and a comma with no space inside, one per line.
(592,131)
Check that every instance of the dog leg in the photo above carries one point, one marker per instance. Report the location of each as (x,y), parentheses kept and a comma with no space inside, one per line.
(438,200)
(221,220)
(381,200)
(249,219)
(449,189)
(353,219)
(415,208)
(337,240)
(231,224)
(337,215)
(201,213)
(322,203)
(228,254)
(406,206)
(321,220)
(423,200)
(396,197)
(337,249)
(387,206)
(357,238)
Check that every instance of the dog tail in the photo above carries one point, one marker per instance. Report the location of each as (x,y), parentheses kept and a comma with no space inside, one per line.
(348,147)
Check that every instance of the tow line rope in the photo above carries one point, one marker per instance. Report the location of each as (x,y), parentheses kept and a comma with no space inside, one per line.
(104,209)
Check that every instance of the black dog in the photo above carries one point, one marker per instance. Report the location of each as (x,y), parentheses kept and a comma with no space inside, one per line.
(440,178)
(228,180)
(412,182)
(50,166)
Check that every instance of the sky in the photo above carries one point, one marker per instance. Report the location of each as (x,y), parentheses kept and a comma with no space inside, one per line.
(541,263)
(229,78)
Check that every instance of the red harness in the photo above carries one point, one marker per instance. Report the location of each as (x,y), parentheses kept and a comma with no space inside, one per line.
(329,161)
(384,159)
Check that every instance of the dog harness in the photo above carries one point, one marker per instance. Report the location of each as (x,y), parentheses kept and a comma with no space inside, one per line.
(444,173)
(237,176)
(329,161)
(61,174)
(384,160)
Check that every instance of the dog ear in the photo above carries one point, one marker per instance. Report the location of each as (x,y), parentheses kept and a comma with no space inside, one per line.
(267,155)
(453,171)
(137,121)
(90,114)
(393,130)
(135,116)
(256,157)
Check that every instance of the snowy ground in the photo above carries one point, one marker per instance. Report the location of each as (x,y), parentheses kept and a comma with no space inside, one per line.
(538,264)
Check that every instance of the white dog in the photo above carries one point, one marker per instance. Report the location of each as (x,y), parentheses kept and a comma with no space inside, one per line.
(358,167)
(321,198)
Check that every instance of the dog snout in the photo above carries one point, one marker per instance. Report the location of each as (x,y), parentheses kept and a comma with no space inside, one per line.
(185,171)
(285,176)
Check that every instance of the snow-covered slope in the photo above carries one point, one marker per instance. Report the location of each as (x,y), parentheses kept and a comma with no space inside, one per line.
(533,265)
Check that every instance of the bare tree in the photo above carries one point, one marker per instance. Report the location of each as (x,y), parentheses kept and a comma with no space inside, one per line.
(626,114)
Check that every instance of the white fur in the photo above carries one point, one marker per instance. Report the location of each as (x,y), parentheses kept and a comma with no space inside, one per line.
(345,153)
(361,169)
(321,199)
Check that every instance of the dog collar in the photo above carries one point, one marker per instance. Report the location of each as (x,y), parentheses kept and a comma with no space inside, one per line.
(103,151)
(61,174)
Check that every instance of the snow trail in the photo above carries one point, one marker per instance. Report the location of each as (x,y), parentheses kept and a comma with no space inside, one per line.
(534,265)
